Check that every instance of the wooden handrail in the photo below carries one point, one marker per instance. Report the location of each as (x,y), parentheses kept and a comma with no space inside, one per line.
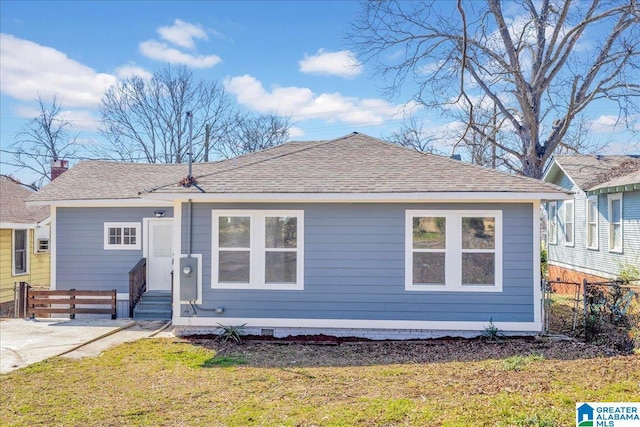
(137,283)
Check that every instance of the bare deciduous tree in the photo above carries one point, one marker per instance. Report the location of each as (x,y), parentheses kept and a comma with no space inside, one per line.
(541,63)
(412,135)
(146,120)
(43,139)
(249,133)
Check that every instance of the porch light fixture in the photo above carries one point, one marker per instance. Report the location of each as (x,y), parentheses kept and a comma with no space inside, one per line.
(158,214)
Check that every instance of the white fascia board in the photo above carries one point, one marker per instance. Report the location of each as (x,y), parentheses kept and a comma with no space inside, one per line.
(462,197)
(45,221)
(103,203)
(554,166)
(18,225)
(535,326)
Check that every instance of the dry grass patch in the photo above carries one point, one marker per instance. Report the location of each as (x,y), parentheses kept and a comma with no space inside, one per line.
(173,382)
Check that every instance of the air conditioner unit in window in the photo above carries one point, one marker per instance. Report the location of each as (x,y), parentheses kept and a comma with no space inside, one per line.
(43,245)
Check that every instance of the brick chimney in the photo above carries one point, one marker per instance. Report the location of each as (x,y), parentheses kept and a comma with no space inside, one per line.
(58,167)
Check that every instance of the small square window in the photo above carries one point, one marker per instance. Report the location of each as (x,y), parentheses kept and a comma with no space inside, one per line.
(122,236)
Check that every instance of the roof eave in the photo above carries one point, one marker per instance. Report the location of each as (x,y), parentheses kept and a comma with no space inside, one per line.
(614,189)
(100,202)
(465,197)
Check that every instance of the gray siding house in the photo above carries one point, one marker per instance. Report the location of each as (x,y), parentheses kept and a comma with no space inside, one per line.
(595,235)
(348,237)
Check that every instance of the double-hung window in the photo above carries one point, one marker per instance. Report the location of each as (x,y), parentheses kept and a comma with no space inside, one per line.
(569,229)
(615,222)
(20,252)
(552,222)
(258,250)
(592,222)
(453,251)
(122,236)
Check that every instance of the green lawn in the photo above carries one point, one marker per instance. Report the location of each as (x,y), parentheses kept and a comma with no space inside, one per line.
(172,382)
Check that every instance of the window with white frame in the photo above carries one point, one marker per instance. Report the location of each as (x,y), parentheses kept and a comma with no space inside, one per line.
(615,222)
(20,242)
(453,251)
(122,236)
(258,249)
(592,222)
(552,221)
(569,228)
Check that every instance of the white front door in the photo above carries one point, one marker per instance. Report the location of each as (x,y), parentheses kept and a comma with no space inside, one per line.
(158,252)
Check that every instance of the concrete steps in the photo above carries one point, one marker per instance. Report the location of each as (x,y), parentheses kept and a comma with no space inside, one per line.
(153,305)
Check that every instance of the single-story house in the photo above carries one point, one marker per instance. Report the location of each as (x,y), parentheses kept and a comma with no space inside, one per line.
(24,241)
(349,237)
(594,235)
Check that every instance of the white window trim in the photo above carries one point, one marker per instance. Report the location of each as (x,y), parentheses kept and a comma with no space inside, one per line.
(569,205)
(593,198)
(453,254)
(257,249)
(121,247)
(13,252)
(612,247)
(553,237)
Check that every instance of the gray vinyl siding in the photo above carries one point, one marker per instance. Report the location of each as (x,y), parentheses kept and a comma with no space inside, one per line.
(600,260)
(81,261)
(354,268)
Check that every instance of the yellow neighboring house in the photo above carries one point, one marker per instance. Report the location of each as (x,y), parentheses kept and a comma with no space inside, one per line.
(24,241)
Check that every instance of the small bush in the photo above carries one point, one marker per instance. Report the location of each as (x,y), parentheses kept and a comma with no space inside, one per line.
(491,332)
(230,332)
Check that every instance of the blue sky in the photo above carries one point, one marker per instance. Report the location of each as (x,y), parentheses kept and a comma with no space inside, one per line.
(284,56)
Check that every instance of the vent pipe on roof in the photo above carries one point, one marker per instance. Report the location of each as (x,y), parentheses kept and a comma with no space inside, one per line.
(190,118)
(456,157)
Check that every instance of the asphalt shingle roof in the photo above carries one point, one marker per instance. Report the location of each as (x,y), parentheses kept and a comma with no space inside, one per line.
(12,204)
(589,172)
(355,163)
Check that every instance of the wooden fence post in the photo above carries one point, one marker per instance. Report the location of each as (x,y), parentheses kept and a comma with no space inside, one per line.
(72,306)
(20,304)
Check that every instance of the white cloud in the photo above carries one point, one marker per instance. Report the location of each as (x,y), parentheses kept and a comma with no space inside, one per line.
(303,104)
(130,70)
(605,124)
(29,69)
(162,52)
(342,63)
(182,34)
(295,132)
(80,119)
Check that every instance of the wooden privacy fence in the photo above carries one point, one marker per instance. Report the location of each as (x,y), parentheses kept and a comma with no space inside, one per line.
(71,302)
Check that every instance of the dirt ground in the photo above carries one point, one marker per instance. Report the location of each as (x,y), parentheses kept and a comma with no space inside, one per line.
(321,352)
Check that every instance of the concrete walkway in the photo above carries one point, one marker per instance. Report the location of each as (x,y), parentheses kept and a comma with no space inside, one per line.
(23,342)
